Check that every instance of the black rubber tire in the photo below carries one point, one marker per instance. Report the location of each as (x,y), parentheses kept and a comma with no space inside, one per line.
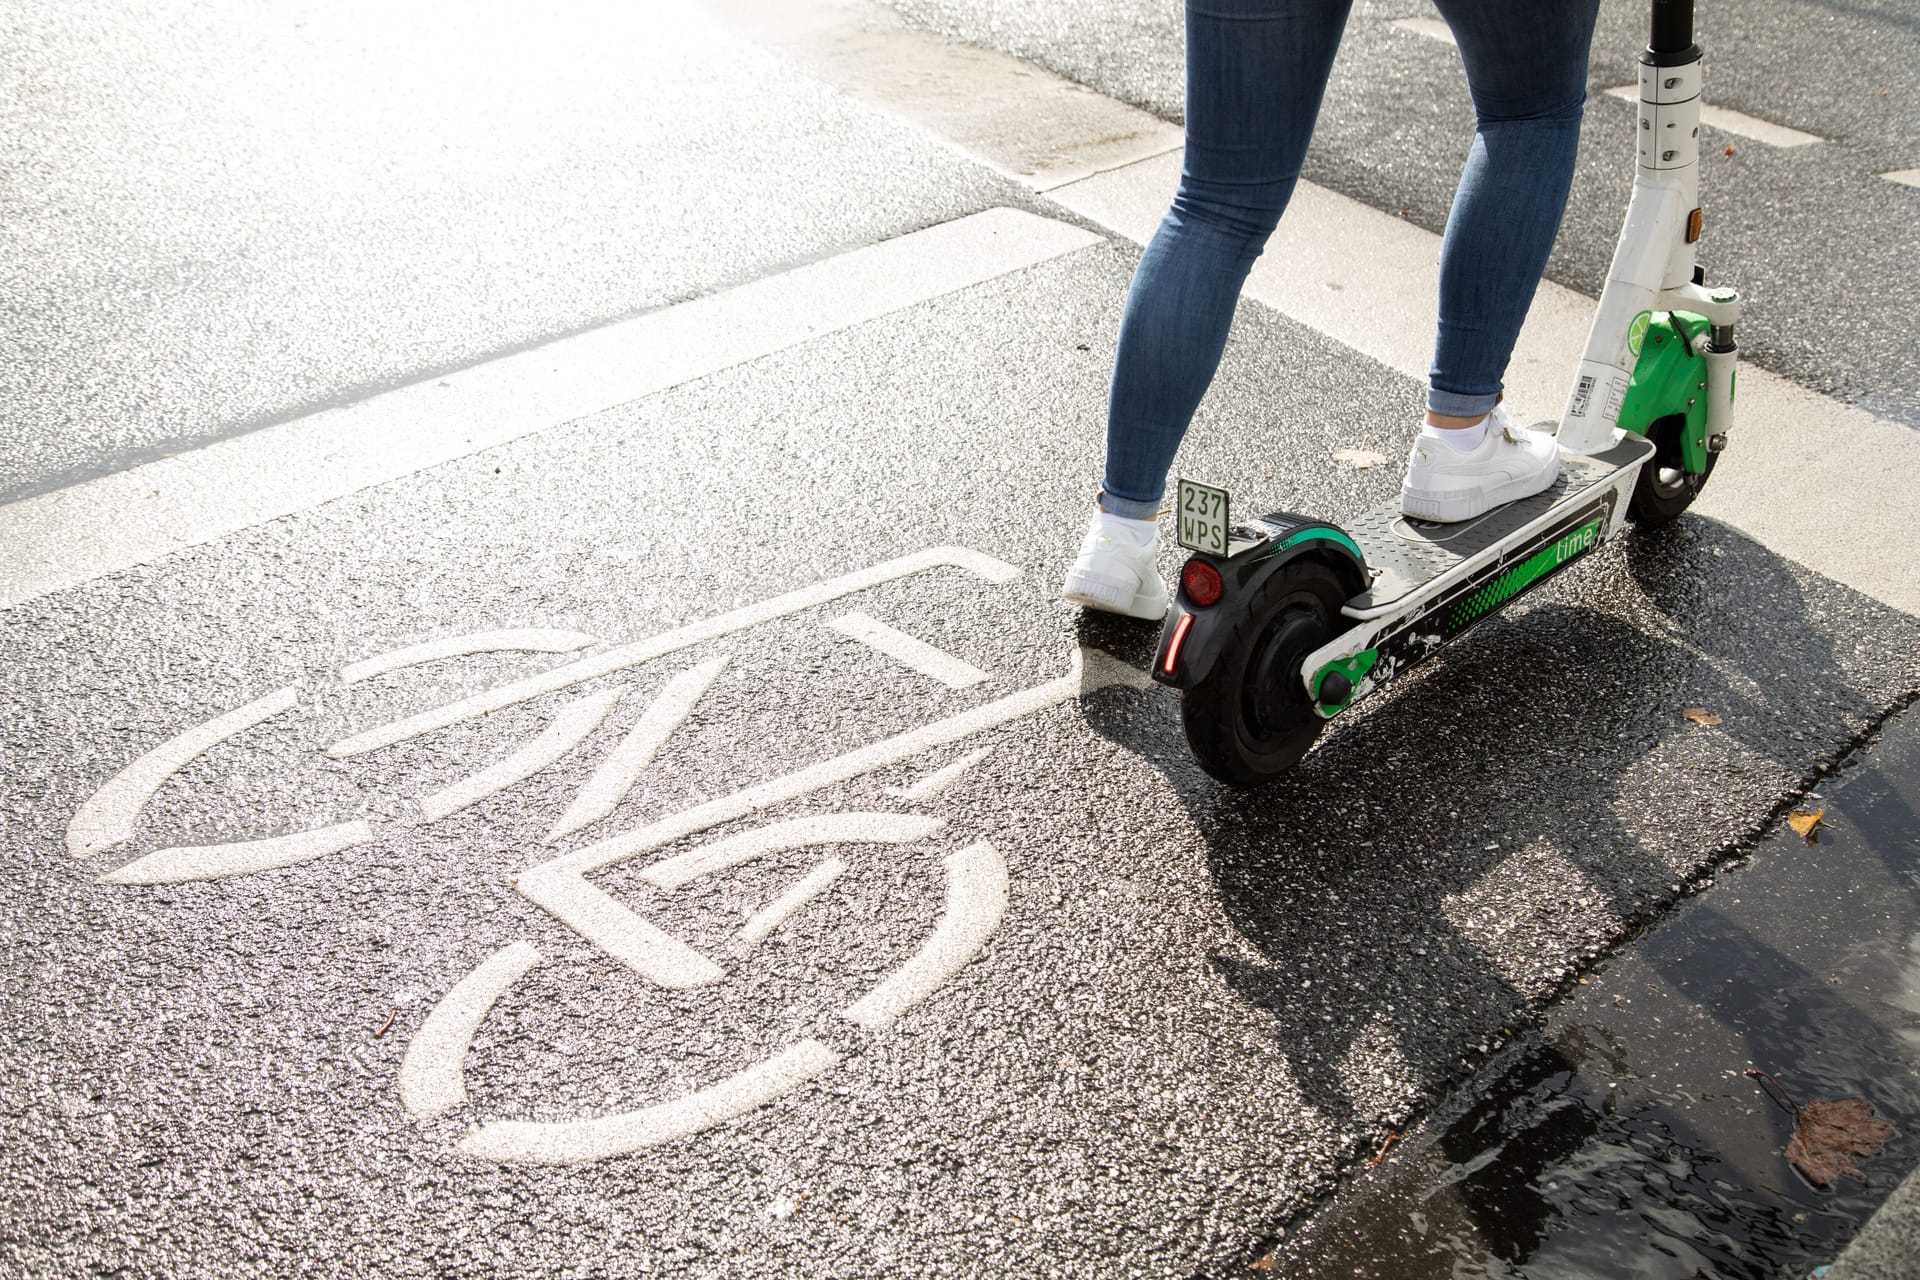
(1249,720)
(1658,498)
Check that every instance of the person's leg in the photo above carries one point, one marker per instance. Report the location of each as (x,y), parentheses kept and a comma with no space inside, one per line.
(1526,63)
(1256,72)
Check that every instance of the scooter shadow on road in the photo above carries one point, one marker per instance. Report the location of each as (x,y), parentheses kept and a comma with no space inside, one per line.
(1442,864)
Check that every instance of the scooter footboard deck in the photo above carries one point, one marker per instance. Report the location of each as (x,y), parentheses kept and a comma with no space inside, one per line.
(1407,555)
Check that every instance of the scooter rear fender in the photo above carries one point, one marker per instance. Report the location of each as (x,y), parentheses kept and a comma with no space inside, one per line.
(1195,636)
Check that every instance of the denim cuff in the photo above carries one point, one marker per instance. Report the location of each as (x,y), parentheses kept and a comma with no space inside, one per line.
(1129,507)
(1455,404)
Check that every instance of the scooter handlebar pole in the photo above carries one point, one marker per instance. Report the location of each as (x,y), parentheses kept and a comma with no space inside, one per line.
(1672,27)
(1654,252)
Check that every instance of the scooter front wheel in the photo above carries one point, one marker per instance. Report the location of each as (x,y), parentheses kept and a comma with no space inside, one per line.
(1249,719)
(1664,487)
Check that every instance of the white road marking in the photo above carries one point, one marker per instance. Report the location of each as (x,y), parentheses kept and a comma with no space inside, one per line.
(525,639)
(432,1074)
(74,535)
(576,1141)
(569,728)
(560,887)
(107,817)
(1431,28)
(796,833)
(1905,177)
(1368,280)
(1734,122)
(940,779)
(909,651)
(657,955)
(213,861)
(776,913)
(976,902)
(974,562)
(1033,126)
(626,762)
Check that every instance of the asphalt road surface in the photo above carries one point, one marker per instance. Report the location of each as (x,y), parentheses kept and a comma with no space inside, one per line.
(578,765)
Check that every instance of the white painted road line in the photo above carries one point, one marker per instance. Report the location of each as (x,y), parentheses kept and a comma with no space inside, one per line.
(1431,28)
(520,640)
(560,885)
(432,1074)
(212,861)
(569,729)
(658,956)
(976,902)
(1035,127)
(796,833)
(1734,122)
(777,912)
(909,651)
(974,562)
(1905,177)
(1369,280)
(940,779)
(107,817)
(71,536)
(626,762)
(575,1141)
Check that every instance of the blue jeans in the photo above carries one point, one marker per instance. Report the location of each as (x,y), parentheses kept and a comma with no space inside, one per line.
(1256,71)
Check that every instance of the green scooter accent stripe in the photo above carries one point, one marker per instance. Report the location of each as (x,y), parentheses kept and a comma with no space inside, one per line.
(1523,575)
(1331,535)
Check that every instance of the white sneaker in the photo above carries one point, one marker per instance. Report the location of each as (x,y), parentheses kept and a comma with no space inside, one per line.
(1447,485)
(1116,570)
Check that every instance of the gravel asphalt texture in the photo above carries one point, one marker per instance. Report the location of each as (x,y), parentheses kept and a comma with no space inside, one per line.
(1201,1008)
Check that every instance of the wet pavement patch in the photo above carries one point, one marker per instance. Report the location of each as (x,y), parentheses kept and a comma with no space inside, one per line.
(1622,1138)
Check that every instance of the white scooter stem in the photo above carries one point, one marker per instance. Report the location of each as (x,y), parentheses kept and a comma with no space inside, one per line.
(1653,261)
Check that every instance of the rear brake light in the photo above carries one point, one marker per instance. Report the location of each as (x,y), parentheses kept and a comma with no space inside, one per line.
(1180,630)
(1201,582)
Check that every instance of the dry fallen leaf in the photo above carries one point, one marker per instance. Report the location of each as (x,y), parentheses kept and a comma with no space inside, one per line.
(1700,715)
(1264,1264)
(1359,459)
(1829,1133)
(1803,822)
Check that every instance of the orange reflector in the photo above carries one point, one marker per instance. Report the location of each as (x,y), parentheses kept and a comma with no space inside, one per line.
(1695,221)
(1180,630)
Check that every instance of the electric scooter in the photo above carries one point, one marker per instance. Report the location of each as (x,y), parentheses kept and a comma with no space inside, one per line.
(1284,623)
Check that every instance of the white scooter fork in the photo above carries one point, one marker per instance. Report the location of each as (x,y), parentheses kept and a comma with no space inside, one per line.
(1653,263)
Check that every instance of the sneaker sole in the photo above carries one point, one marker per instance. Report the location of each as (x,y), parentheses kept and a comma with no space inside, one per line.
(1452,508)
(1146,604)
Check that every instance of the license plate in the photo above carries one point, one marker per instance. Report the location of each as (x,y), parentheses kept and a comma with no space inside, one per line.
(1200,518)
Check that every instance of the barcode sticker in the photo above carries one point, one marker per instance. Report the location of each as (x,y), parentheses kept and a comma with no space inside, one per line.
(1582,394)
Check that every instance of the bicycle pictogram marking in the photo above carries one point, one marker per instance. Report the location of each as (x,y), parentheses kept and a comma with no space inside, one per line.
(431,1081)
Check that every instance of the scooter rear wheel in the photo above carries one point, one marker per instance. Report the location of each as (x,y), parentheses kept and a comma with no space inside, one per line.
(1250,719)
